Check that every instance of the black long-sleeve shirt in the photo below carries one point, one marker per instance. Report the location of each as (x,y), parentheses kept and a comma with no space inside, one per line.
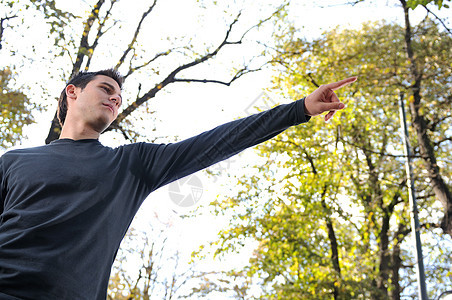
(66,206)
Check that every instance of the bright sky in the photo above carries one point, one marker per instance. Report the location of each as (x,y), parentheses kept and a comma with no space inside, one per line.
(184,110)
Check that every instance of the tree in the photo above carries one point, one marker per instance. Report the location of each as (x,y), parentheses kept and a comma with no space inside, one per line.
(380,62)
(15,104)
(329,208)
(15,113)
(148,267)
(3,21)
(421,122)
(425,123)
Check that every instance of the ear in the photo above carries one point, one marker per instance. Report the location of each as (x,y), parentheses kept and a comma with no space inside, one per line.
(71,92)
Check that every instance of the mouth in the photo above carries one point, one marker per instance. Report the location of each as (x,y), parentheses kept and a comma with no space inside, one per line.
(109,106)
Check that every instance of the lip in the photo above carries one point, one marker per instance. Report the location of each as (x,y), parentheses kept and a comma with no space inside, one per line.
(109,106)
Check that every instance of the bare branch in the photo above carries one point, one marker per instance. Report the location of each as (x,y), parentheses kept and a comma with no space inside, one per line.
(133,69)
(433,125)
(2,28)
(265,20)
(425,196)
(438,18)
(447,139)
(84,46)
(134,39)
(124,133)
(107,16)
(202,81)
(239,74)
(108,29)
(171,77)
(99,34)
(430,225)
(377,152)
(311,80)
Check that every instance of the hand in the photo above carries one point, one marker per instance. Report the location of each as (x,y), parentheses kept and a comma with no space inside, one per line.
(324,99)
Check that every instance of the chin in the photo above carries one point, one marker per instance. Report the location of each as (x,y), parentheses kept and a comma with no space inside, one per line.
(102,126)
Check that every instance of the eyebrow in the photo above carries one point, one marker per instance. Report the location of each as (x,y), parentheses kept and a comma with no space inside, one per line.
(111,87)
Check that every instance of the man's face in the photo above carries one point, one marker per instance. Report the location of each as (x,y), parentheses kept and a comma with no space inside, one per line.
(97,104)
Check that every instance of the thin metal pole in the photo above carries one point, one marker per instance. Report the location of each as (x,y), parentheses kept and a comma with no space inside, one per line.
(414,212)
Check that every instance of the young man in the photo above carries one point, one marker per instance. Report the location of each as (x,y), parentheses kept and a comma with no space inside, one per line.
(65,207)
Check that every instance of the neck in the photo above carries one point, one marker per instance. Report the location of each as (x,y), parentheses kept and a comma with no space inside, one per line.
(74,133)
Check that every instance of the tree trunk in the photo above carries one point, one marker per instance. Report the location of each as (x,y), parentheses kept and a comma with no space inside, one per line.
(334,249)
(383,274)
(396,264)
(396,261)
(55,130)
(334,257)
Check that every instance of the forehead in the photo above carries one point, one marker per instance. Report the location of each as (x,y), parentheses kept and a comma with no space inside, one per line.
(98,79)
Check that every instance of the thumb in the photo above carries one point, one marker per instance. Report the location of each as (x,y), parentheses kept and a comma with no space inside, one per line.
(332,106)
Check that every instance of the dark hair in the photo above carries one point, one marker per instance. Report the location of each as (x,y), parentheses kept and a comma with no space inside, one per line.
(80,80)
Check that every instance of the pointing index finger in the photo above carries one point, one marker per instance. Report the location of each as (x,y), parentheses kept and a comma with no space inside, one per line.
(337,85)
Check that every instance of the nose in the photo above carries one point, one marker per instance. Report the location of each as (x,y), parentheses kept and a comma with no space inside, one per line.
(116,99)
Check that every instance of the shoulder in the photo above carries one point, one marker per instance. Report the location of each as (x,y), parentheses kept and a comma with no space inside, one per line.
(17,154)
(139,147)
(143,151)
(23,151)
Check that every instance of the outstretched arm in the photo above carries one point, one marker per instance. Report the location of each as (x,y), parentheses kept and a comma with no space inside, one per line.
(165,163)
(324,99)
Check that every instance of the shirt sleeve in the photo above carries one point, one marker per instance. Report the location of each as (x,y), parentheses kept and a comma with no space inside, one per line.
(168,162)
